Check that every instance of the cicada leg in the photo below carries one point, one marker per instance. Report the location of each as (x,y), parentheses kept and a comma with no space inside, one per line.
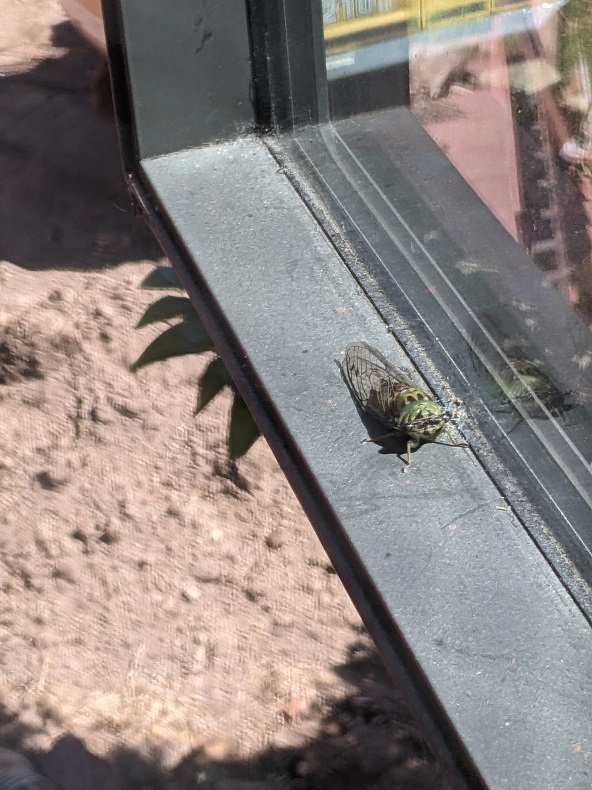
(452,442)
(379,438)
(412,444)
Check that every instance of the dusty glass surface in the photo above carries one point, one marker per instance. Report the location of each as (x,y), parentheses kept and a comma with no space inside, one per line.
(505,91)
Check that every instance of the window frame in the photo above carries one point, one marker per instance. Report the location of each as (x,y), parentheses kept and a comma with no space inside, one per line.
(380,263)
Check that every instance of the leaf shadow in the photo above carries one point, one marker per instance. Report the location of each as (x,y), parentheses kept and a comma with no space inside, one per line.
(364,738)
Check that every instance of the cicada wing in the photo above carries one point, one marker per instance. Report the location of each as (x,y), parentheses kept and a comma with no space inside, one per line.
(374,381)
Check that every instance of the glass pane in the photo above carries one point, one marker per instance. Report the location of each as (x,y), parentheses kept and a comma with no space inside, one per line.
(504,89)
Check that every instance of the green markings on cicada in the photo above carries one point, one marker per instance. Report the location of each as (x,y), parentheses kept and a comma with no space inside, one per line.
(389,396)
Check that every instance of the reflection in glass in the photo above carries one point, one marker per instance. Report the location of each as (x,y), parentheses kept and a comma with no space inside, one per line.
(521,387)
(504,89)
(521,132)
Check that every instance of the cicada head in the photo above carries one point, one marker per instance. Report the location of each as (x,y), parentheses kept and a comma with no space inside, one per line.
(422,419)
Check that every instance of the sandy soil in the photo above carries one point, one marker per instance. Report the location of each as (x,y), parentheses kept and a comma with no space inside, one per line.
(160,626)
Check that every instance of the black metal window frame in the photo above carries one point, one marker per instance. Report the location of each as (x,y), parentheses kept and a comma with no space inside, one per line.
(224,142)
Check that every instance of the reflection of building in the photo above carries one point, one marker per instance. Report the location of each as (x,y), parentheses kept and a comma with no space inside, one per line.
(362,35)
(549,218)
(419,14)
(342,10)
(503,134)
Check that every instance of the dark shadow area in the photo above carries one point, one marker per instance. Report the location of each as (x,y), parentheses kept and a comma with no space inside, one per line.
(63,203)
(364,740)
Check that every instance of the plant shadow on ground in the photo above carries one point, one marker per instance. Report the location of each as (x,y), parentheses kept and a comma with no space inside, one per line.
(364,740)
(64,204)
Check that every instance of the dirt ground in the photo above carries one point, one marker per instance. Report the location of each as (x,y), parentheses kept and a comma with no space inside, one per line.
(160,626)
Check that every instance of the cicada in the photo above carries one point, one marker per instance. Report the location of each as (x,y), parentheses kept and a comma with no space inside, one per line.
(531,380)
(389,396)
(521,384)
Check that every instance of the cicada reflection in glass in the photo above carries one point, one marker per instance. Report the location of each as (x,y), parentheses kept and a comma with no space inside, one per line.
(389,396)
(530,380)
(520,386)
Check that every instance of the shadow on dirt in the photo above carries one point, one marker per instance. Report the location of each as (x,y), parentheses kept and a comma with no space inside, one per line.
(365,740)
(64,204)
